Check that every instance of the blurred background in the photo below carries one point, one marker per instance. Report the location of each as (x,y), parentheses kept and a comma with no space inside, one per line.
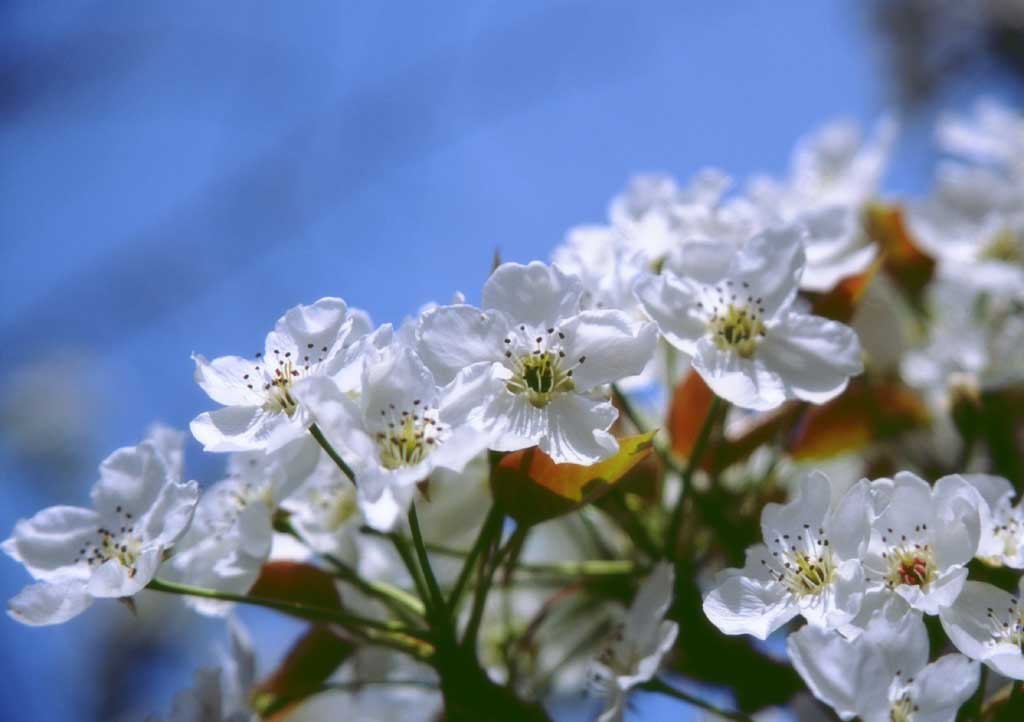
(176,175)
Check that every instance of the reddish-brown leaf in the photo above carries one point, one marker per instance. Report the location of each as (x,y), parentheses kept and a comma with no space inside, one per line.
(841,302)
(691,402)
(904,260)
(297,582)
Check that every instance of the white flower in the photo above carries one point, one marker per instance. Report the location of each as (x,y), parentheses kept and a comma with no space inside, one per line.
(599,256)
(220,694)
(140,509)
(325,511)
(402,427)
(834,174)
(232,532)
(733,313)
(883,675)
(634,654)
(809,564)
(325,339)
(533,365)
(987,623)
(1002,524)
(921,539)
(995,136)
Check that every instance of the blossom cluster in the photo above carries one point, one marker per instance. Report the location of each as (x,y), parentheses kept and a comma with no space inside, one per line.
(800,338)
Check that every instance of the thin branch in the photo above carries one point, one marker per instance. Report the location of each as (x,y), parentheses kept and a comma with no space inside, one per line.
(657,685)
(335,456)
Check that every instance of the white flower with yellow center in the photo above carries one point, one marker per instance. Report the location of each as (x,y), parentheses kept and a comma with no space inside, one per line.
(533,365)
(987,624)
(921,539)
(1002,523)
(140,509)
(808,565)
(261,413)
(401,428)
(733,314)
(883,675)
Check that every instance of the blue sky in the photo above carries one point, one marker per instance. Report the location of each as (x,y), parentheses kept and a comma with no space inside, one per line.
(175,176)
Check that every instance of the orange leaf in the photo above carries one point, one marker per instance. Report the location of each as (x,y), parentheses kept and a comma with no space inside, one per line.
(841,302)
(532,488)
(311,660)
(864,413)
(297,582)
(905,262)
(691,403)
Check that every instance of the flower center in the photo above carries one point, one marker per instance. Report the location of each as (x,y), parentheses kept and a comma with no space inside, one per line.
(735,322)
(909,563)
(121,544)
(902,708)
(279,375)
(1009,630)
(803,564)
(539,366)
(409,435)
(1004,247)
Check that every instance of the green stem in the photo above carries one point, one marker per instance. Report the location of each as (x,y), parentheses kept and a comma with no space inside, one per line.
(351,622)
(335,456)
(404,549)
(676,521)
(483,586)
(492,525)
(438,609)
(656,685)
(398,600)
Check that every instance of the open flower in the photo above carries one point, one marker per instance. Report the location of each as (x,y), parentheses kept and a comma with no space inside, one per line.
(112,550)
(324,339)
(401,428)
(883,675)
(1002,523)
(809,564)
(921,539)
(733,314)
(535,364)
(634,654)
(231,533)
(987,624)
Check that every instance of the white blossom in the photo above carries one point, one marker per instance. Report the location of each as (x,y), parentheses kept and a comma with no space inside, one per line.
(883,675)
(809,564)
(987,624)
(325,339)
(921,539)
(532,365)
(140,508)
(1002,523)
(635,652)
(734,315)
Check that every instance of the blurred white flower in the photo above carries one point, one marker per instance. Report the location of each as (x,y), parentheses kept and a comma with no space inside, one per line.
(1002,523)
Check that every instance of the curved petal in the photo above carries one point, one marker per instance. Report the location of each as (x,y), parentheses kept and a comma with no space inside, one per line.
(814,357)
(114,579)
(318,330)
(48,603)
(49,543)
(849,525)
(613,345)
(536,293)
(236,428)
(577,429)
(398,382)
(131,479)
(958,515)
(453,337)
(672,304)
(969,623)
(943,686)
(224,379)
(747,383)
(772,263)
(170,513)
(806,510)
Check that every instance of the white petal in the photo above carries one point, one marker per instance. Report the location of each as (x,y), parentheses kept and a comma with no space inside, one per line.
(772,263)
(672,304)
(958,518)
(849,525)
(612,343)
(577,429)
(131,478)
(747,383)
(305,330)
(237,428)
(223,379)
(746,601)
(967,622)
(47,603)
(393,384)
(49,543)
(454,337)
(114,579)
(943,686)
(808,506)
(848,676)
(535,294)
(170,514)
(814,357)
(836,247)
